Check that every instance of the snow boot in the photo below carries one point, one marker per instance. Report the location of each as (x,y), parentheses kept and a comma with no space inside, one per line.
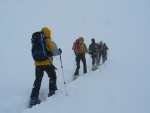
(34,101)
(85,71)
(76,73)
(75,77)
(51,93)
(94,68)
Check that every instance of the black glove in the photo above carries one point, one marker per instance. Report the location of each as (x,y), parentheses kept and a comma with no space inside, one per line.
(49,53)
(60,50)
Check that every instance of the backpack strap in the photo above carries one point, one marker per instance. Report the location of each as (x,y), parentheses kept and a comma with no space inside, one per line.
(42,43)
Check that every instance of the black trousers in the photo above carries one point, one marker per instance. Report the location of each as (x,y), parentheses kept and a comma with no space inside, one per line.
(104,56)
(39,72)
(81,57)
(99,57)
(94,58)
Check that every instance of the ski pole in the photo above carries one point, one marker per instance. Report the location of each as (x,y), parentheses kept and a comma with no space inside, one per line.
(63,75)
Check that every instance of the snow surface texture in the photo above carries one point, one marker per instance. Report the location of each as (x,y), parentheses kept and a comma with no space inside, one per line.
(123,84)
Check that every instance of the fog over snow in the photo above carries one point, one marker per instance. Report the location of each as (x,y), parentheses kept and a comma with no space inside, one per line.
(121,85)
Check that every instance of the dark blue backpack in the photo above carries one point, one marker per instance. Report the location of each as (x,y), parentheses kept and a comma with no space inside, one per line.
(39,51)
(93,48)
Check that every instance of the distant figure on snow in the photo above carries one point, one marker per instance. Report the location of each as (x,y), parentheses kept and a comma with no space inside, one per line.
(80,50)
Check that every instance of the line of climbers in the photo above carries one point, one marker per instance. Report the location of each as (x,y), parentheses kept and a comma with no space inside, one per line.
(97,51)
(43,50)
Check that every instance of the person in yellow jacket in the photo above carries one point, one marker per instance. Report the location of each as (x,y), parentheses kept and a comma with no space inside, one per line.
(48,67)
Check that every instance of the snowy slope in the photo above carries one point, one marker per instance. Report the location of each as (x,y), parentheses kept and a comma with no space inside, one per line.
(122,86)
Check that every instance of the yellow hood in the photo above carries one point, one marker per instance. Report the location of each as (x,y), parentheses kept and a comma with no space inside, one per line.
(46,32)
